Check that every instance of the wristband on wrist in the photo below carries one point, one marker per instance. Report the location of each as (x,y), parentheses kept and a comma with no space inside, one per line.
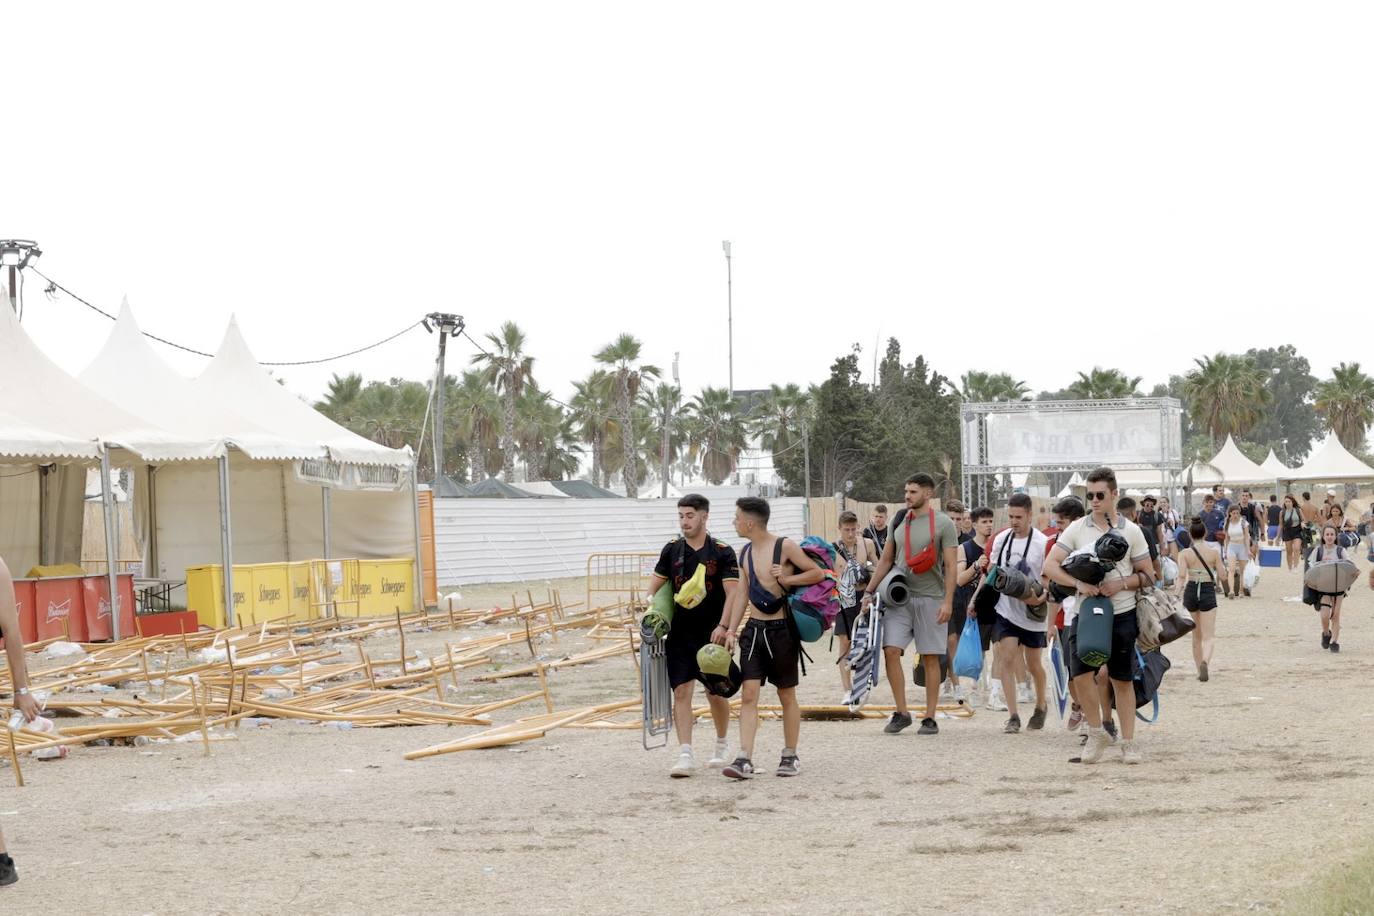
(22,691)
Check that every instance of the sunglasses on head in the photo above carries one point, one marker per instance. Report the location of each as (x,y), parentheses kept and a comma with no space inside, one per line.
(1096,495)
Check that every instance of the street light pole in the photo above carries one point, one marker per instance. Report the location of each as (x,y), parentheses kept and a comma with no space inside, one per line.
(15,254)
(448,325)
(730,314)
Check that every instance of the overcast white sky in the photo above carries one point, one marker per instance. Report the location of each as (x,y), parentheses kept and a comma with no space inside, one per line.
(1028,186)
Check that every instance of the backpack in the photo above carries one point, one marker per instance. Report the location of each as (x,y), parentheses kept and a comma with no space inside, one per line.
(819,602)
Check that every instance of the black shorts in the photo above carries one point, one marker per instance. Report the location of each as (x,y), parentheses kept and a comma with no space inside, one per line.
(682,648)
(1292,534)
(1004,628)
(769,652)
(985,631)
(1121,663)
(844,620)
(958,620)
(1200,597)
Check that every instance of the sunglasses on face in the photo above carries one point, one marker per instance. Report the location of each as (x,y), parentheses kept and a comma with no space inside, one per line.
(1095,496)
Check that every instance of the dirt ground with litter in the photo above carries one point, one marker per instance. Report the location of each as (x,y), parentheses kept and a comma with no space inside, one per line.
(1253,784)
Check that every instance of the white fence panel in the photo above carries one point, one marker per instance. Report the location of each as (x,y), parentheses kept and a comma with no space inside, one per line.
(533,540)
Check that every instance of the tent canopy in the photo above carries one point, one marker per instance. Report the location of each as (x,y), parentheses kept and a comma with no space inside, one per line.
(491,487)
(1275,468)
(582,489)
(1230,466)
(541,488)
(1330,462)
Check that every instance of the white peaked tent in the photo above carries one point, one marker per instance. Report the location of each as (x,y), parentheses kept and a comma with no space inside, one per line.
(1230,466)
(1075,481)
(287,483)
(1275,468)
(1331,462)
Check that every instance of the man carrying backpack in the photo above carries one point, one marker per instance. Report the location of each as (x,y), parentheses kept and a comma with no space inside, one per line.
(694,627)
(923,544)
(1021,624)
(770,649)
(877,526)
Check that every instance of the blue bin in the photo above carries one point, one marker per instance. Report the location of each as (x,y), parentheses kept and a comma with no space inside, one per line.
(1271,556)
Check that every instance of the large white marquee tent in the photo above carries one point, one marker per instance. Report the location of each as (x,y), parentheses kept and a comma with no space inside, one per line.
(230,466)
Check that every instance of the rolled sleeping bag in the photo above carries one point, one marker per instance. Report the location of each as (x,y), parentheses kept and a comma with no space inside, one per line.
(894,589)
(1015,584)
(1093,630)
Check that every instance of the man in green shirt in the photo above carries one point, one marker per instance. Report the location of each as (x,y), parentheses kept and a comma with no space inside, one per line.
(923,544)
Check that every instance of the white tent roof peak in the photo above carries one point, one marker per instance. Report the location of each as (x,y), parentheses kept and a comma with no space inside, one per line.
(1274,466)
(1232,466)
(1331,461)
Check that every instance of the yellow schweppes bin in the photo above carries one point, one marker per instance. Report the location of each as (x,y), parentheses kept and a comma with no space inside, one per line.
(298,579)
(269,590)
(384,585)
(205,594)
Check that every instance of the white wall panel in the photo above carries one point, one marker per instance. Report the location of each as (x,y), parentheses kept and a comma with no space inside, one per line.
(530,540)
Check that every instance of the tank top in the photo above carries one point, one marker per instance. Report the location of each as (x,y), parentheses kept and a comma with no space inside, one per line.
(1235,531)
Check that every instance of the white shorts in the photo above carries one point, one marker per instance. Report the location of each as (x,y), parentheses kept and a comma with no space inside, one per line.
(916,621)
(1237,551)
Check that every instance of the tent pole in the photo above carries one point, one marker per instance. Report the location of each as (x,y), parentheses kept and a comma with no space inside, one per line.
(419,590)
(324,509)
(154,570)
(111,545)
(226,539)
(43,515)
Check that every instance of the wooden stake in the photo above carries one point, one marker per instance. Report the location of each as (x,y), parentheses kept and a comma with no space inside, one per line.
(452,669)
(544,686)
(14,761)
(438,687)
(633,652)
(204,730)
(528,640)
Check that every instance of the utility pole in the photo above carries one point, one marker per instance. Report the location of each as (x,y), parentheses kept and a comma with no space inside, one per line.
(806,460)
(448,325)
(730,314)
(15,255)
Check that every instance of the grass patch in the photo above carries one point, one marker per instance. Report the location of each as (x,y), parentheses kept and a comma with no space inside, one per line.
(1343,889)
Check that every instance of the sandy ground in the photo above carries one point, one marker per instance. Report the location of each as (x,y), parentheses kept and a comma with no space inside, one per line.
(1252,785)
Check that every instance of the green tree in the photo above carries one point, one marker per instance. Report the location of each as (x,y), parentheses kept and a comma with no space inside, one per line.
(474,410)
(1346,402)
(341,399)
(917,426)
(1226,395)
(591,415)
(622,356)
(1290,423)
(1103,384)
(843,435)
(717,434)
(667,426)
(992,386)
(508,368)
(545,437)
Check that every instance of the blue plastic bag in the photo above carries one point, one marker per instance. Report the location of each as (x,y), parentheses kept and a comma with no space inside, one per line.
(968,660)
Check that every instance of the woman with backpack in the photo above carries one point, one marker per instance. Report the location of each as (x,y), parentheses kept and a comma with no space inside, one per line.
(1197,582)
(1290,530)
(1329,603)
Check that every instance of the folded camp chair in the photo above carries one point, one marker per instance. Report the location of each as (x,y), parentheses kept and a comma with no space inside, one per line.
(655,694)
(865,654)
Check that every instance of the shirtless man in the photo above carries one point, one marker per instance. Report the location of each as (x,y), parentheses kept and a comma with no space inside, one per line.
(769,648)
(23,700)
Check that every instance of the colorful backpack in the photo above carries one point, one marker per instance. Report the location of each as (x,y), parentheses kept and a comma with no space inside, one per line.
(815,607)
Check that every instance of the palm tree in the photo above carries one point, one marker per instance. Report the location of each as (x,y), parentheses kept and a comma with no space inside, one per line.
(1104,384)
(667,423)
(992,386)
(476,412)
(591,416)
(1226,395)
(510,370)
(545,437)
(782,421)
(1346,402)
(341,400)
(717,434)
(621,355)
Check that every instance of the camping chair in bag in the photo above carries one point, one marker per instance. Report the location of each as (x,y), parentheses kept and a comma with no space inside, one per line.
(656,695)
(865,655)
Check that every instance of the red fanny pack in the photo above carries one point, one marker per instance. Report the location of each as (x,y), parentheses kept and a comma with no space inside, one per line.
(924,561)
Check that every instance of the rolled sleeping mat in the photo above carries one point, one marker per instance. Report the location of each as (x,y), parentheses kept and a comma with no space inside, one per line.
(894,589)
(1015,584)
(1093,630)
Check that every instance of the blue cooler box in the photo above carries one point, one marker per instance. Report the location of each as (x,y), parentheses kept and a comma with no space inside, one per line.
(1271,556)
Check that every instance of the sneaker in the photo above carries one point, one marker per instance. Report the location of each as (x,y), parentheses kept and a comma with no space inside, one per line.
(740,769)
(1024,694)
(1013,726)
(928,727)
(789,765)
(1335,647)
(996,702)
(1109,727)
(1037,720)
(899,721)
(718,758)
(684,767)
(1326,640)
(1097,745)
(1130,752)
(960,695)
(946,692)
(1247,593)
(1075,718)
(1202,672)
(8,873)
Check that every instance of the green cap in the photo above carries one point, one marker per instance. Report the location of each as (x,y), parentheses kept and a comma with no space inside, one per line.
(713,659)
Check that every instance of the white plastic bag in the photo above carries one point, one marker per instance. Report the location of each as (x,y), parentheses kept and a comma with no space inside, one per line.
(1251,577)
(1168,570)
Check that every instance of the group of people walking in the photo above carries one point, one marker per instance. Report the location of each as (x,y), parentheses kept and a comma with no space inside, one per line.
(944,556)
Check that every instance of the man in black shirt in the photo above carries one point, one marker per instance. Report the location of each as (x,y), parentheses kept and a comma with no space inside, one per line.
(1273,514)
(877,527)
(1250,514)
(695,627)
(1151,524)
